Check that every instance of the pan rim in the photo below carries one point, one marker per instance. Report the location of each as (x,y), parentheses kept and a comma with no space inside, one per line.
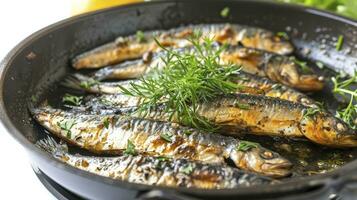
(290,185)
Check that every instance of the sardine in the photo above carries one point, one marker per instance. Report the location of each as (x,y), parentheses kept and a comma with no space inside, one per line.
(278,68)
(262,115)
(250,84)
(152,170)
(134,46)
(111,133)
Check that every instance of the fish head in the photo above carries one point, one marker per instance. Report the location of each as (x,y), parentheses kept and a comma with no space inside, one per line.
(274,43)
(325,129)
(263,161)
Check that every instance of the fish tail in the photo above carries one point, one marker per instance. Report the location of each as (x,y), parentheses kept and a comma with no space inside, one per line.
(51,146)
(74,81)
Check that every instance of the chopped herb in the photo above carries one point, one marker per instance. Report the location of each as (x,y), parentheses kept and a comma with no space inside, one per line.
(320,65)
(163,158)
(241,106)
(283,35)
(344,88)
(66,127)
(303,65)
(186,80)
(33,98)
(225,12)
(106,122)
(140,36)
(277,86)
(309,112)
(246,145)
(88,84)
(339,43)
(166,137)
(187,132)
(188,169)
(130,149)
(71,99)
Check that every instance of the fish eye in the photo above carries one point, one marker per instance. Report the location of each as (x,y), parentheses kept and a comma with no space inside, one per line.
(267,155)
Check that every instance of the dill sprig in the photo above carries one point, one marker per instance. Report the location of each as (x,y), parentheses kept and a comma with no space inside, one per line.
(347,89)
(186,80)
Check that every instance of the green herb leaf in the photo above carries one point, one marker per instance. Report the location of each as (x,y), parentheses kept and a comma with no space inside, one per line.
(88,83)
(188,169)
(166,137)
(347,89)
(106,122)
(283,35)
(339,43)
(66,126)
(162,158)
(140,36)
(246,145)
(130,149)
(303,66)
(309,112)
(225,12)
(242,106)
(71,99)
(320,65)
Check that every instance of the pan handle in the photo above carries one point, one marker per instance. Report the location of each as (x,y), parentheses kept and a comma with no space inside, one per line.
(163,195)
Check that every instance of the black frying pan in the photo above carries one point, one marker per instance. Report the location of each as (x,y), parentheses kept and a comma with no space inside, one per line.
(43,58)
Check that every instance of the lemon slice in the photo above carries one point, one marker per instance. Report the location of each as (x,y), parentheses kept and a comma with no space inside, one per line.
(82,6)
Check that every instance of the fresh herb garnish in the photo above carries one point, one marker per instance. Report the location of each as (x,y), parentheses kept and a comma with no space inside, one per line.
(130,149)
(140,36)
(309,112)
(283,35)
(186,80)
(162,158)
(241,106)
(246,145)
(302,65)
(187,132)
(66,126)
(344,88)
(89,83)
(188,169)
(225,12)
(106,122)
(339,42)
(71,99)
(166,137)
(320,65)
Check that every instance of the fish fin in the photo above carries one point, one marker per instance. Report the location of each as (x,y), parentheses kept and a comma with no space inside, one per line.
(51,146)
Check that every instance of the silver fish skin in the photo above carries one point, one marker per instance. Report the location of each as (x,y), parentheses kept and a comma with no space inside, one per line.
(130,47)
(251,84)
(151,170)
(282,69)
(111,133)
(260,115)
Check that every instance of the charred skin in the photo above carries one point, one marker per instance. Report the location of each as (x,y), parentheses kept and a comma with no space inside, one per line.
(186,143)
(262,115)
(131,47)
(151,170)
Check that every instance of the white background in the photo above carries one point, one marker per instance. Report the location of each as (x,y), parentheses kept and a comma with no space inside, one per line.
(18,19)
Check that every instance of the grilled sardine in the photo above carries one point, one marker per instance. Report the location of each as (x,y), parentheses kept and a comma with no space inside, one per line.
(151,170)
(250,84)
(282,69)
(263,116)
(112,133)
(130,47)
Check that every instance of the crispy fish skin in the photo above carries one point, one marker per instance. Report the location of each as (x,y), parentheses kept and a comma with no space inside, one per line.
(89,133)
(131,47)
(262,115)
(151,170)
